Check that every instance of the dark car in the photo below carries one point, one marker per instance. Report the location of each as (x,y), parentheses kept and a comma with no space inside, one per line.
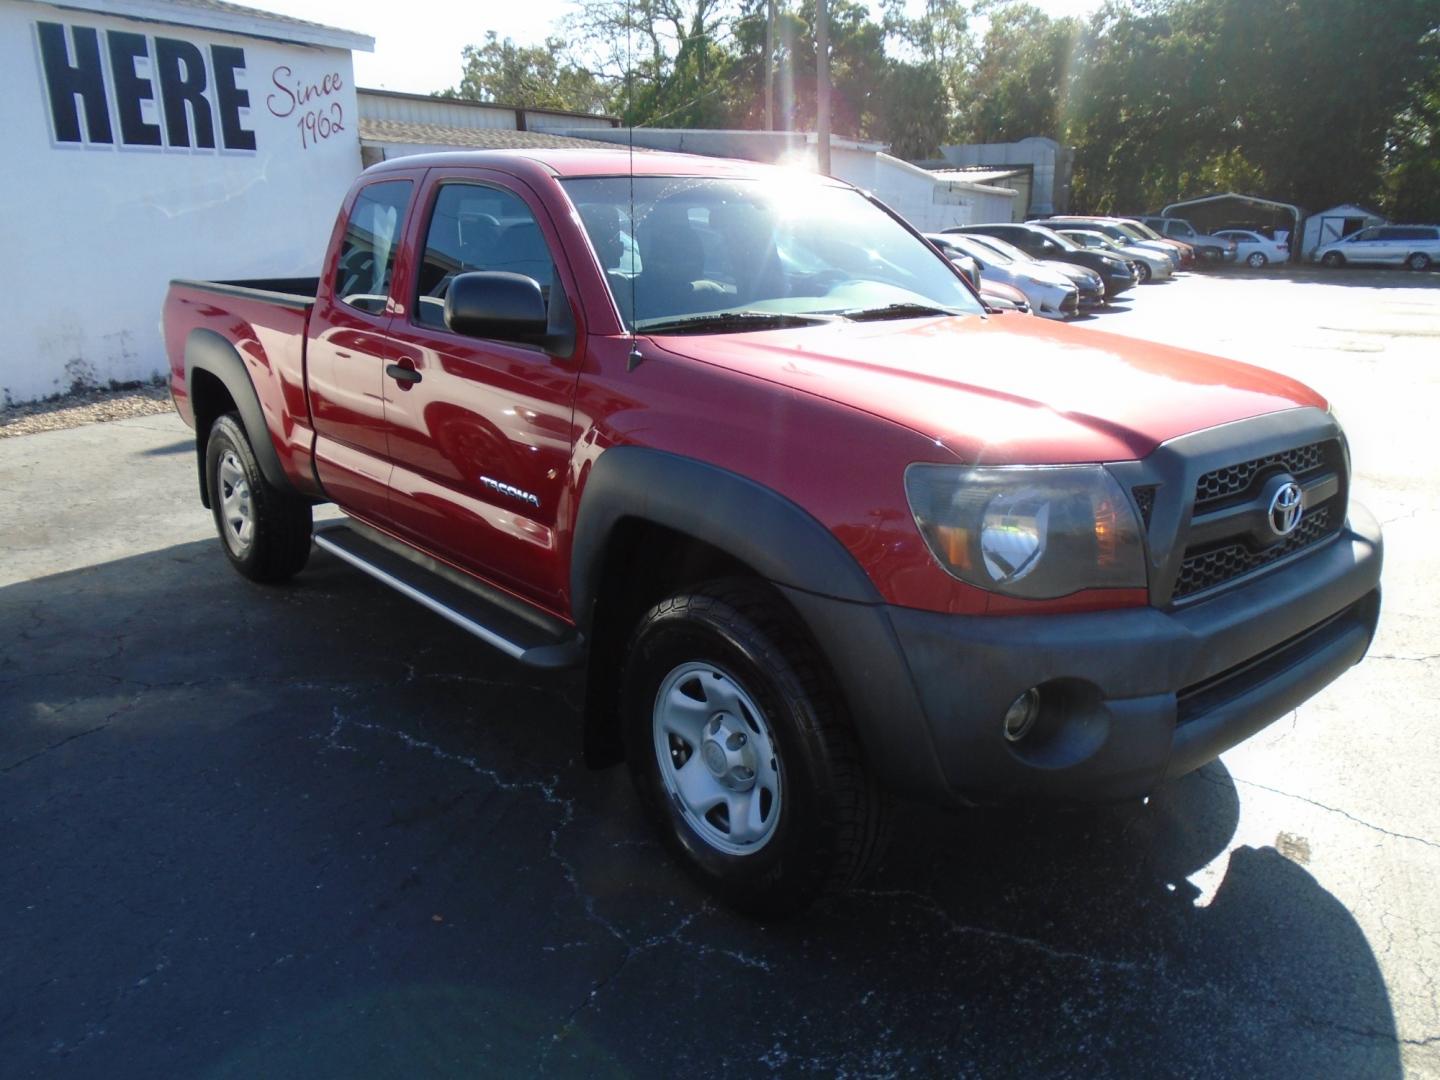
(1043,243)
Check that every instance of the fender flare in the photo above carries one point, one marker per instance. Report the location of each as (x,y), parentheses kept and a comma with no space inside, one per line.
(207,351)
(765,530)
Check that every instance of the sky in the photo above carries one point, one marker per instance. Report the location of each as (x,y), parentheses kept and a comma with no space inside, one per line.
(418,42)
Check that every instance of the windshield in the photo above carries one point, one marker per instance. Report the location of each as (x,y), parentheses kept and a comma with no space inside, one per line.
(1004,247)
(712,251)
(1051,234)
(980,251)
(1142,229)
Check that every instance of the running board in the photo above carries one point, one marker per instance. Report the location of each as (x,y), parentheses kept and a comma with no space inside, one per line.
(446,592)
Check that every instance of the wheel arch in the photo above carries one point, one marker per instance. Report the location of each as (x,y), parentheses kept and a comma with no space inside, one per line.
(218,382)
(651,523)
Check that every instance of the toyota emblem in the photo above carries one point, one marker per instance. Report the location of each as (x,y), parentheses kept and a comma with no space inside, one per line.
(1285,508)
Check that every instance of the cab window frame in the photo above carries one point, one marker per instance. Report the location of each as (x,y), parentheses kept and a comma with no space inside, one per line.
(393,260)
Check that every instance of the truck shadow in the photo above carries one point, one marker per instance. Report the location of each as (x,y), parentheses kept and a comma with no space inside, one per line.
(313,830)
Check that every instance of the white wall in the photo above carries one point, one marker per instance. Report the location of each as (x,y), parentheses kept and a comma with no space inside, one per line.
(928,204)
(92,234)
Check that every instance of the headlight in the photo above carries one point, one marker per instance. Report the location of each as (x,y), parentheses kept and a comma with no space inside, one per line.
(1036,532)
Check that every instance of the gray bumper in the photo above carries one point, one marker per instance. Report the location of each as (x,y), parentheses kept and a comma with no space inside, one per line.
(1133,697)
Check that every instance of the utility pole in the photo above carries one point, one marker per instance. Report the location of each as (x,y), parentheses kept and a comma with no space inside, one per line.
(822,84)
(769,65)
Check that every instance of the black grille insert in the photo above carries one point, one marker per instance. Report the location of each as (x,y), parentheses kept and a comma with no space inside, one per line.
(1234,483)
(1206,569)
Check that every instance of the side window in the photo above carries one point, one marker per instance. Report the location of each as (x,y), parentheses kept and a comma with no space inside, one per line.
(478,228)
(367,255)
(1391,234)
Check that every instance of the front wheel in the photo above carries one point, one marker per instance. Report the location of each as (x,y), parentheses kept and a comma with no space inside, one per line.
(265,531)
(1333,259)
(1418,261)
(1142,272)
(740,752)
(1256,259)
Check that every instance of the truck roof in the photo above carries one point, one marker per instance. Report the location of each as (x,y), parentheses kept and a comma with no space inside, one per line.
(574,162)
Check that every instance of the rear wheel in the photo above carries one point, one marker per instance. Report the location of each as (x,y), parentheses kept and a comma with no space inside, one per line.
(1256,259)
(1418,261)
(265,531)
(1333,259)
(740,753)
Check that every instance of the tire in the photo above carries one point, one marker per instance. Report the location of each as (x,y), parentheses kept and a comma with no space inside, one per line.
(1418,261)
(1333,259)
(1142,273)
(265,532)
(1256,259)
(720,678)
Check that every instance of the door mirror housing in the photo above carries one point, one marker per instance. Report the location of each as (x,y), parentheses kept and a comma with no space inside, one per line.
(495,304)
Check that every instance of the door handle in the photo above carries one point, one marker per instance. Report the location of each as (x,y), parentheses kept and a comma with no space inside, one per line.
(405,376)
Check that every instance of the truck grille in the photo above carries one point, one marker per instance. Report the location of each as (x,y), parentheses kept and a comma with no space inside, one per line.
(1220,486)
(1238,490)
(1219,565)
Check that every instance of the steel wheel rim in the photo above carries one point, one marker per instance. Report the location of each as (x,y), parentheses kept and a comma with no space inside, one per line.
(717,758)
(237,513)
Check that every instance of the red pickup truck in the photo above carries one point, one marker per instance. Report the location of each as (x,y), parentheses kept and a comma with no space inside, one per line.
(821,528)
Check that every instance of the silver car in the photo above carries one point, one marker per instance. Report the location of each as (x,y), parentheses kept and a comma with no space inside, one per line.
(1415,246)
(1149,265)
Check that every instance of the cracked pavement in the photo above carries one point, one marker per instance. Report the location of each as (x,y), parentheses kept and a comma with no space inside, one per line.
(314,831)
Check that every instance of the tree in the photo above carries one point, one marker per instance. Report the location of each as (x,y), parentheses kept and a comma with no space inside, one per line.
(529,76)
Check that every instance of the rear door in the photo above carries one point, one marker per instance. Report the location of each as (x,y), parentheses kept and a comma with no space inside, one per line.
(481,440)
(347,348)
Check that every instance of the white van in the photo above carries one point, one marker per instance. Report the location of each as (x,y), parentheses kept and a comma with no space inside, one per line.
(1415,246)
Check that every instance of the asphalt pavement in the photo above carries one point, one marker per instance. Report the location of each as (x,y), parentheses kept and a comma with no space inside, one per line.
(312,831)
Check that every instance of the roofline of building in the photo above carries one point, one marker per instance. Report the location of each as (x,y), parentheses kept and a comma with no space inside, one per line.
(1258,200)
(406,95)
(243,24)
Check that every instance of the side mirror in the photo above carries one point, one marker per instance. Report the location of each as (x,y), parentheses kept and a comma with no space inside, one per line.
(969,270)
(494,304)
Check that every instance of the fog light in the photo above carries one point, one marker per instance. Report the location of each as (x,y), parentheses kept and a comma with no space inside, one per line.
(1022,714)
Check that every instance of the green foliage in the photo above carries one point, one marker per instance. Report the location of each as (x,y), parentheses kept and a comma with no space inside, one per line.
(531,76)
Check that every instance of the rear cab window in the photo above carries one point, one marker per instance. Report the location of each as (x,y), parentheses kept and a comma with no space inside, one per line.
(367,254)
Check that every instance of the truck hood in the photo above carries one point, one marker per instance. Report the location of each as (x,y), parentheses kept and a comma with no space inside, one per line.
(1008,389)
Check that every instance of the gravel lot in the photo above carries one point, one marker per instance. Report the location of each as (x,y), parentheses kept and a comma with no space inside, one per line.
(312,831)
(83,407)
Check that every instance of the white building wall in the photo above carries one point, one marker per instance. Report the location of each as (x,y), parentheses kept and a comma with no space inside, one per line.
(92,233)
(914,193)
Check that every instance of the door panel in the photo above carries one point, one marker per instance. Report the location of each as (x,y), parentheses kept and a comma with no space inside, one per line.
(347,348)
(481,443)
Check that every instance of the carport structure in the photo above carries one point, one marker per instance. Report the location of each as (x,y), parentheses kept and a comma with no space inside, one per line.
(1230,210)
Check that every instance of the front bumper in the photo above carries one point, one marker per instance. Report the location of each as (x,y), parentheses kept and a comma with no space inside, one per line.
(1133,697)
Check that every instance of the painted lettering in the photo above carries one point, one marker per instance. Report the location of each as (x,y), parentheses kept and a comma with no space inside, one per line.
(66,81)
(290,98)
(149,81)
(182,87)
(131,91)
(227,60)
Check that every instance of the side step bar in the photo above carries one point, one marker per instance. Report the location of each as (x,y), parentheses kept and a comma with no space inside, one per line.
(540,642)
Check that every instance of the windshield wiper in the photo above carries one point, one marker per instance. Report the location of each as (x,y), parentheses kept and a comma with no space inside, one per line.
(896,311)
(720,321)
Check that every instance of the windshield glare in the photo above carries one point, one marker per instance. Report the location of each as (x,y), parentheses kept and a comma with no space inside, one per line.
(697,246)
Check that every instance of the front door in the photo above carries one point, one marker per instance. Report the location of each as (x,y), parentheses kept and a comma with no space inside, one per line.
(480,436)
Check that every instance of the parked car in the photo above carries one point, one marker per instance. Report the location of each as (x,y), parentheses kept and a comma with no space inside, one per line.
(1113,230)
(1001,297)
(1049,292)
(1149,265)
(1042,243)
(1141,231)
(1089,286)
(815,528)
(1208,248)
(1256,249)
(1415,246)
